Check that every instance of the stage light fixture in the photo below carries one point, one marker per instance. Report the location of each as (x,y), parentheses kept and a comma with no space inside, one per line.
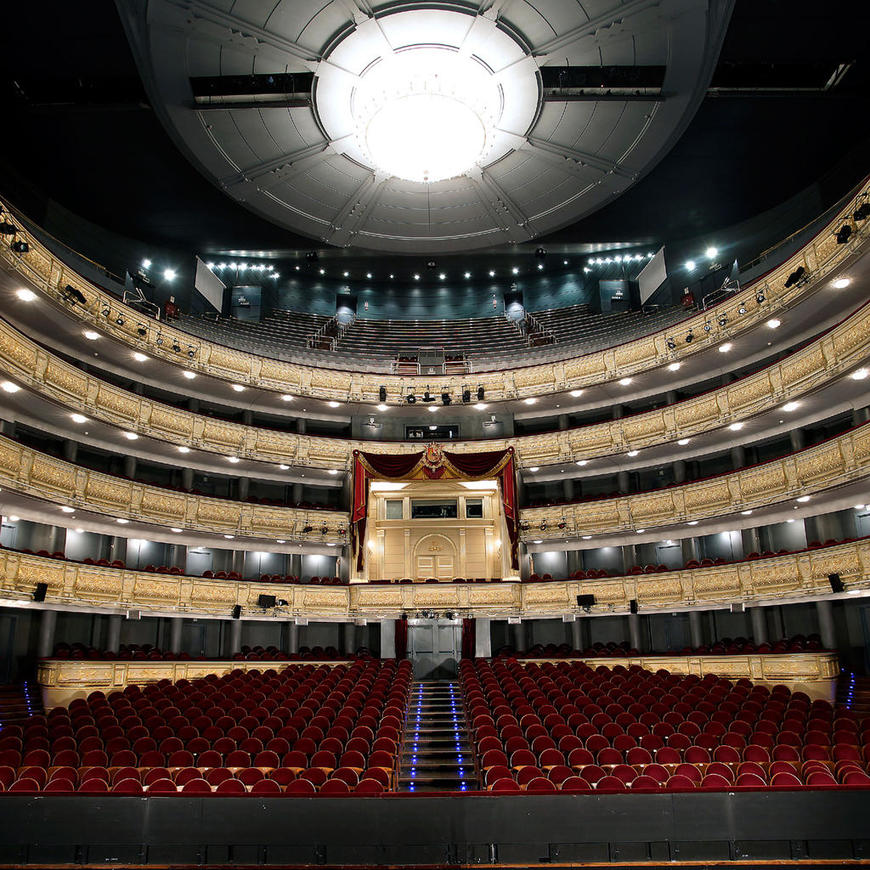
(8,229)
(191,352)
(176,346)
(159,341)
(690,337)
(708,327)
(759,296)
(311,257)
(843,234)
(466,395)
(446,398)
(672,345)
(106,312)
(431,264)
(862,212)
(410,398)
(480,394)
(540,253)
(741,309)
(73,295)
(382,394)
(427,395)
(20,247)
(120,320)
(722,319)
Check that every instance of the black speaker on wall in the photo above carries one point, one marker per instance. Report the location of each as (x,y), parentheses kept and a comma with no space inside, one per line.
(585,600)
(632,605)
(382,394)
(266,601)
(237,611)
(39,592)
(836,583)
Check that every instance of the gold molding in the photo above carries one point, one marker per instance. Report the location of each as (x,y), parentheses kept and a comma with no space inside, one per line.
(832,463)
(820,256)
(30,472)
(800,576)
(807,369)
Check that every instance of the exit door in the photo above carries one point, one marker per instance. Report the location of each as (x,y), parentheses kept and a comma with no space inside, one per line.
(434,647)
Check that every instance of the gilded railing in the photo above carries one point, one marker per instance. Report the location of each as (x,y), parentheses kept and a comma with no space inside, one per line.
(792,577)
(63,680)
(809,368)
(30,472)
(819,258)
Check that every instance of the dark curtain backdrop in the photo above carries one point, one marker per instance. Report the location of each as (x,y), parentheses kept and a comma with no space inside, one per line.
(401,638)
(469,638)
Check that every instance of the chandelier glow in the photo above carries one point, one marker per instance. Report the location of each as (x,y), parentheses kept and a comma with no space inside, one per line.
(426,114)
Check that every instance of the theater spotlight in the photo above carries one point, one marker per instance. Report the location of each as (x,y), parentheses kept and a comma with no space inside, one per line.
(741,309)
(141,330)
(176,346)
(690,337)
(191,351)
(307,529)
(410,398)
(480,394)
(672,345)
(795,276)
(722,319)
(159,340)
(466,395)
(708,327)
(842,235)
(862,212)
(20,247)
(540,253)
(382,394)
(8,229)
(106,312)
(446,398)
(759,297)
(431,264)
(120,320)
(427,395)
(311,257)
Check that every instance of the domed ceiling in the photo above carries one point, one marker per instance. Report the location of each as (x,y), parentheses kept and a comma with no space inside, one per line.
(424,127)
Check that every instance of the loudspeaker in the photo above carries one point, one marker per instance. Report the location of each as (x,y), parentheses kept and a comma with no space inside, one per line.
(737,607)
(585,600)
(382,394)
(266,601)
(836,583)
(632,605)
(237,611)
(134,614)
(39,592)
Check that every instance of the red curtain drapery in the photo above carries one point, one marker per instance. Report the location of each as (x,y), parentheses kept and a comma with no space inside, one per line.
(469,638)
(401,638)
(499,464)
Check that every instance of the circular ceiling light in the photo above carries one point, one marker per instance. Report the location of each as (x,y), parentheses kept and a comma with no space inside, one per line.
(425,114)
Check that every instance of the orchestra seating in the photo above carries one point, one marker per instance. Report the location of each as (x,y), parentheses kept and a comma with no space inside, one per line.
(302,730)
(568,727)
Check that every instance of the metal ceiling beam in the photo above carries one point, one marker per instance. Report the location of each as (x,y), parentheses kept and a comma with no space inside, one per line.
(581,157)
(502,217)
(352,217)
(593,25)
(275,165)
(206,12)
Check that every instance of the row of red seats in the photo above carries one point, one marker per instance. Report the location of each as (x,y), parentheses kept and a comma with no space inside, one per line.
(725,646)
(566,714)
(220,780)
(147,652)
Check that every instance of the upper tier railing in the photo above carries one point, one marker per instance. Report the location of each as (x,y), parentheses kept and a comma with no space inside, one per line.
(85,301)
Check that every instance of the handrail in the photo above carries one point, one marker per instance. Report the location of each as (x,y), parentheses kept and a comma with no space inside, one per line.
(792,577)
(808,368)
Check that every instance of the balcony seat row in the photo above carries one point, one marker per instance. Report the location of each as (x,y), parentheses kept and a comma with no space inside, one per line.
(148,652)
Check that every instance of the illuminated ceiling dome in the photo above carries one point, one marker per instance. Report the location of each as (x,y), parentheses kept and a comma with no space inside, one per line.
(424,127)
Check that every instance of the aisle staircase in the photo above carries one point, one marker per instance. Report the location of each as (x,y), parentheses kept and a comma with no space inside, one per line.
(853,693)
(19,701)
(436,754)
